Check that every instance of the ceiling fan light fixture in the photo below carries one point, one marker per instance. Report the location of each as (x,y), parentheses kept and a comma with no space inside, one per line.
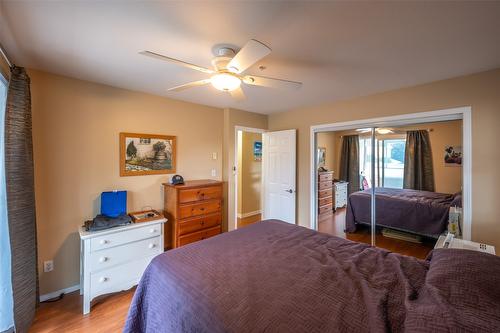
(225,81)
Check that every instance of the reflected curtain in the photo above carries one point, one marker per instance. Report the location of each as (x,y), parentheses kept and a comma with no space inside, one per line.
(21,198)
(349,162)
(418,169)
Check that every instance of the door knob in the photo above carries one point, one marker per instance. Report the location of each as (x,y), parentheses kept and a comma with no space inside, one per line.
(289,190)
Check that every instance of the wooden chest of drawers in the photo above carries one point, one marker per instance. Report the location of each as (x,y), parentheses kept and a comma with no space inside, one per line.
(325,200)
(194,211)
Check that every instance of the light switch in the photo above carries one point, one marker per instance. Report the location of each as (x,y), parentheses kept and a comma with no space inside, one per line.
(214,155)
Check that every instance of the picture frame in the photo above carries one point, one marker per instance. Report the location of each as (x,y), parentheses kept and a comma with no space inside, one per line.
(257,151)
(321,156)
(453,156)
(147,154)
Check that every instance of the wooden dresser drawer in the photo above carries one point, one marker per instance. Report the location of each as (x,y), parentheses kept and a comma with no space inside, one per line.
(201,208)
(324,185)
(197,236)
(198,223)
(325,209)
(324,201)
(328,176)
(123,237)
(197,194)
(324,193)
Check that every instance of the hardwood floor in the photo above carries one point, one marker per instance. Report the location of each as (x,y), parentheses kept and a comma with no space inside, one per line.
(243,222)
(108,314)
(334,225)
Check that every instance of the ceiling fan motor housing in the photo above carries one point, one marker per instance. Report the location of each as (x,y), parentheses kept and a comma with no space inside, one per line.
(224,56)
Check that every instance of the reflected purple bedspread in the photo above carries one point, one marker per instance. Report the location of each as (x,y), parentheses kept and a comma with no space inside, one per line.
(421,212)
(277,277)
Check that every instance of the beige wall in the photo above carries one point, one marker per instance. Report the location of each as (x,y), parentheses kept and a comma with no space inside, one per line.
(76,148)
(480,91)
(249,174)
(233,118)
(447,179)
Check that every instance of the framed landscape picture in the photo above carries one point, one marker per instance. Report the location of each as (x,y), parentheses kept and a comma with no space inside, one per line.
(146,154)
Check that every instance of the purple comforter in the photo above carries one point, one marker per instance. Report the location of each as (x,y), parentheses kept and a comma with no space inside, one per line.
(277,277)
(421,212)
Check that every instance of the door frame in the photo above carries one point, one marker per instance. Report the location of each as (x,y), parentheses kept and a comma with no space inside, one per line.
(235,170)
(463,113)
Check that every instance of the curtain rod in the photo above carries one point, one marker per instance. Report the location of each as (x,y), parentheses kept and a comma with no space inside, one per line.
(4,55)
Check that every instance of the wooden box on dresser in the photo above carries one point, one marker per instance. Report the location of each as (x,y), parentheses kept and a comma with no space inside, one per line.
(194,211)
(325,199)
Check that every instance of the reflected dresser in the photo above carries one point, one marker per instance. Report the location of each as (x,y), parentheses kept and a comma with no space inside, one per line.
(194,211)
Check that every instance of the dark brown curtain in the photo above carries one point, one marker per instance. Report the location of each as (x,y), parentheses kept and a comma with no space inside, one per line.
(349,162)
(418,170)
(21,198)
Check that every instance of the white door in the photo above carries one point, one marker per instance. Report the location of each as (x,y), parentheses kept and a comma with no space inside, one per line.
(278,175)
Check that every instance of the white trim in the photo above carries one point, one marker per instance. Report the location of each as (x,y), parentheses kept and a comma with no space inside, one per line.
(245,215)
(56,293)
(463,113)
(233,170)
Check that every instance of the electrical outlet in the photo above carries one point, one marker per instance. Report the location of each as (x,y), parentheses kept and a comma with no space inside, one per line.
(48,266)
(214,173)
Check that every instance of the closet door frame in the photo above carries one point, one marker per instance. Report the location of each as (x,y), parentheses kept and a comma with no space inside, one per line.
(461,113)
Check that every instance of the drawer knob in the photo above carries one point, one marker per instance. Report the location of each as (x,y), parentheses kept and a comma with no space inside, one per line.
(152,230)
(103,259)
(104,241)
(152,246)
(103,279)
(202,222)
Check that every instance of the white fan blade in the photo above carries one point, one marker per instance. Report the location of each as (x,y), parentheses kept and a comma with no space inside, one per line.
(271,82)
(252,52)
(238,94)
(190,85)
(176,61)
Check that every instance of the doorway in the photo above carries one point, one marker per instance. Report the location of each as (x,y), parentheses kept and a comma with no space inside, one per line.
(248,203)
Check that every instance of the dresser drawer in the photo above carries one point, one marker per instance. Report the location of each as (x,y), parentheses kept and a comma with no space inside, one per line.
(124,253)
(201,208)
(324,193)
(198,223)
(197,194)
(324,185)
(325,177)
(325,209)
(123,237)
(324,201)
(198,236)
(119,277)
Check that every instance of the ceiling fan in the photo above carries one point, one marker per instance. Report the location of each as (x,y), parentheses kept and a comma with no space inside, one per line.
(229,68)
(382,131)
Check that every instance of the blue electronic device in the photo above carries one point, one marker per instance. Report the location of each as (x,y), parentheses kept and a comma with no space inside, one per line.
(113,203)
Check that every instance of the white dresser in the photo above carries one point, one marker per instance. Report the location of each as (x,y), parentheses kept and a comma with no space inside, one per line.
(114,259)
(340,194)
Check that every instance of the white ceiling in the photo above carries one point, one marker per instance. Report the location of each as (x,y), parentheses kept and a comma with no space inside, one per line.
(339,50)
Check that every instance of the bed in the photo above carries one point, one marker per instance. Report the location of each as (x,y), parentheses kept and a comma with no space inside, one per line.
(276,277)
(420,212)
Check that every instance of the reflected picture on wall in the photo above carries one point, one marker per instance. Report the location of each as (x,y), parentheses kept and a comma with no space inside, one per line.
(453,156)
(321,157)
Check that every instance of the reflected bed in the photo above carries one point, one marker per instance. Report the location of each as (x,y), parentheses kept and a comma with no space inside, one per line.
(420,212)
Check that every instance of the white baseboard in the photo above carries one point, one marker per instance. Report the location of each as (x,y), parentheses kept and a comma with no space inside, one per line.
(56,293)
(244,215)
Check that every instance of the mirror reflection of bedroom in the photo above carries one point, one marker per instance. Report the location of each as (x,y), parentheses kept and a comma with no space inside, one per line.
(417,179)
